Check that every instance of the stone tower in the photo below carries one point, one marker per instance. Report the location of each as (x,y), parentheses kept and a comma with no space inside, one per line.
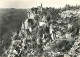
(41,5)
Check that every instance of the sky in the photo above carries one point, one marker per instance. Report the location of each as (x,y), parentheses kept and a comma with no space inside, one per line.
(35,3)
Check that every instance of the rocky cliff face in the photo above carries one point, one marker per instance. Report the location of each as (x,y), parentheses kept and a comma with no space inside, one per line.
(57,35)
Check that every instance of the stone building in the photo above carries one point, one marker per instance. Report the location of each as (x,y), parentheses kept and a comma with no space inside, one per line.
(40,8)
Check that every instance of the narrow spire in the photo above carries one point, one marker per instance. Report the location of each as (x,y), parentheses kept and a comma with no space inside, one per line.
(41,4)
